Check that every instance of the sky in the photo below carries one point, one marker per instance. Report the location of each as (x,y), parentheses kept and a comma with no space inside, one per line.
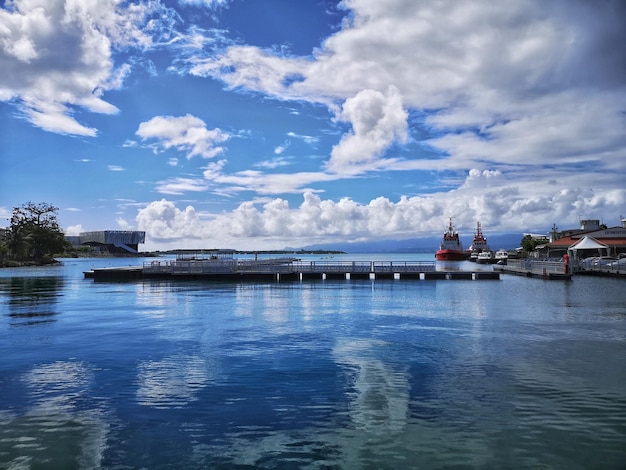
(264,124)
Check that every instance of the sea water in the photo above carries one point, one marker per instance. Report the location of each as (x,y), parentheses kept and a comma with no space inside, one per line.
(510,373)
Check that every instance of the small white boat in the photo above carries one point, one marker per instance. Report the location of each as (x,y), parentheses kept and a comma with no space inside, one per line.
(502,254)
(486,257)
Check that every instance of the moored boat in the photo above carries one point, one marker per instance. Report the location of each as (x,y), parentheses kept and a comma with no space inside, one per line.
(486,257)
(450,248)
(501,256)
(479,244)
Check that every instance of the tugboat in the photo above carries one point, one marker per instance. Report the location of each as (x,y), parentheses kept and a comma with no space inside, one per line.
(479,244)
(450,248)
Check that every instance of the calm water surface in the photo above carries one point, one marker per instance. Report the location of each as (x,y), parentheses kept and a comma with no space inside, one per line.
(516,373)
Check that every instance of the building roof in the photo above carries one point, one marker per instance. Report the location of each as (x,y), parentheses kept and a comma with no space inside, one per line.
(613,236)
(587,243)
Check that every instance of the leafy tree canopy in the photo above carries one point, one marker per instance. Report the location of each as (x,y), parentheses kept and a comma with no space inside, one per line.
(34,232)
(529,243)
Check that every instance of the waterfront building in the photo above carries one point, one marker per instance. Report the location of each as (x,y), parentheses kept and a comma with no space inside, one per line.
(111,241)
(609,241)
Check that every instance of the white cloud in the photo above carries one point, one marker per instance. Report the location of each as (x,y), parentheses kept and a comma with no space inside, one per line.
(162,220)
(115,168)
(309,139)
(74,230)
(181,185)
(271,183)
(187,134)
(55,56)
(481,179)
(123,224)
(275,163)
(378,120)
(274,224)
(281,148)
(205,3)
(512,83)
(251,68)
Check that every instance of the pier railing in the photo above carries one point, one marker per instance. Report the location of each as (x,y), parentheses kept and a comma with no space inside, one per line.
(536,266)
(283,266)
(363,266)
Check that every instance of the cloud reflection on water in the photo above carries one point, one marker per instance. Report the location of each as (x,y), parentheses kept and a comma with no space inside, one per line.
(56,432)
(379,398)
(172,382)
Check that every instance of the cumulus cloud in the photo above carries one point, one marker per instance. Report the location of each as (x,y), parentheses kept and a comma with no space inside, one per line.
(481,179)
(378,120)
(56,55)
(519,106)
(274,223)
(187,134)
(74,230)
(123,224)
(162,220)
(512,83)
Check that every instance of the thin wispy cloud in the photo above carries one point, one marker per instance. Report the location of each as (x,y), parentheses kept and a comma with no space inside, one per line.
(274,162)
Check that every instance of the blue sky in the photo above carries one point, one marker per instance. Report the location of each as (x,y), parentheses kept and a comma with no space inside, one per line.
(264,124)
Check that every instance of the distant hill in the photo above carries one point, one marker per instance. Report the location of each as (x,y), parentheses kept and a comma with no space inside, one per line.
(415,245)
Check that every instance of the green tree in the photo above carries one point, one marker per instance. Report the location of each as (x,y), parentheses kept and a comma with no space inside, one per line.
(35,232)
(529,243)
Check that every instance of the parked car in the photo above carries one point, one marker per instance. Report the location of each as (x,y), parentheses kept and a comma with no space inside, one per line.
(597,261)
(619,264)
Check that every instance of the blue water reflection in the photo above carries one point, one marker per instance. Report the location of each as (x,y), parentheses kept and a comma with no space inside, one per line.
(517,373)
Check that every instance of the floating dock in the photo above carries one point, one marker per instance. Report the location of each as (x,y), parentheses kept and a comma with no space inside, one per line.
(282,269)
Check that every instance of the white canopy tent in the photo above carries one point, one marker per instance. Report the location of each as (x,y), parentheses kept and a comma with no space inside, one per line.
(591,245)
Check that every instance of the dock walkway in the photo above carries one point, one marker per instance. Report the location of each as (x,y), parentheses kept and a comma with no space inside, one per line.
(531,267)
(283,269)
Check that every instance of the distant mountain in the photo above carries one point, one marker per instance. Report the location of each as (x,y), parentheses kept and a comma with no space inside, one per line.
(416,245)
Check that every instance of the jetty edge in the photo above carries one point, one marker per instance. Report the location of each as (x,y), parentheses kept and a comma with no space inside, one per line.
(531,267)
(227,268)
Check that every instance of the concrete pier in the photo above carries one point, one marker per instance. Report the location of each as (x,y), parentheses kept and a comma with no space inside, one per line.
(468,276)
(543,269)
(284,270)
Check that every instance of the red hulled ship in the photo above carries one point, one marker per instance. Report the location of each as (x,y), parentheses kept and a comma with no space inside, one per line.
(479,244)
(451,248)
